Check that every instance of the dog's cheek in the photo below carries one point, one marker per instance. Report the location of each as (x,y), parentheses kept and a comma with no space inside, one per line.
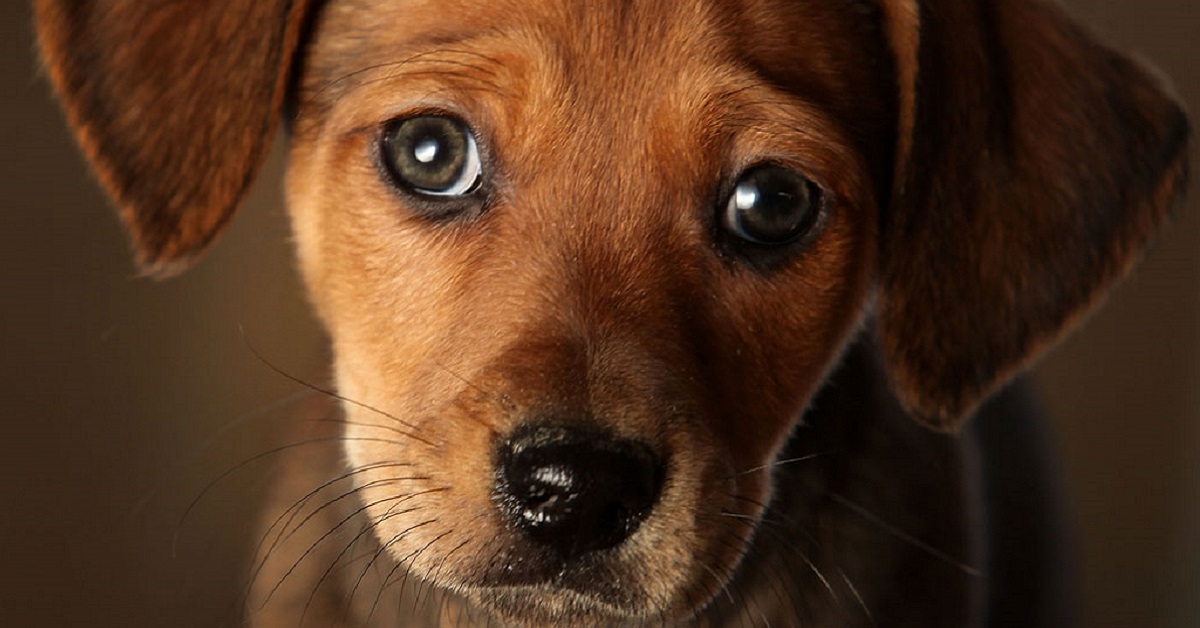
(782,332)
(382,280)
(428,499)
(303,192)
(384,287)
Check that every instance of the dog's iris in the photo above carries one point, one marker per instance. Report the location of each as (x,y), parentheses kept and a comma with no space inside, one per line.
(771,205)
(432,155)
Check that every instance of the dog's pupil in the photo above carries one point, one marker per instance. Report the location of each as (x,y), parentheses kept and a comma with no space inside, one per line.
(434,147)
(771,205)
(426,151)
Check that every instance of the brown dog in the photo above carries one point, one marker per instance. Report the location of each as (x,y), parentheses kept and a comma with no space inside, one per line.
(631,301)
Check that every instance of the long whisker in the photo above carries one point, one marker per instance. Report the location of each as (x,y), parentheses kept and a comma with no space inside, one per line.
(389,428)
(781,463)
(413,434)
(371,525)
(294,510)
(902,535)
(383,548)
(251,460)
(416,58)
(209,441)
(433,577)
(854,591)
(313,547)
(423,585)
(368,485)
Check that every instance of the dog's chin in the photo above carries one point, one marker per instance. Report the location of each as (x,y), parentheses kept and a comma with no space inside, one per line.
(594,590)
(552,605)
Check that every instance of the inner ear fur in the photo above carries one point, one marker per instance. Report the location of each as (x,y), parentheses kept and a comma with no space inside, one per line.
(174,104)
(1034,164)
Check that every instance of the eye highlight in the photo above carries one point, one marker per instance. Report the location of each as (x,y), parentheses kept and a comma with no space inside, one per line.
(432,155)
(771,205)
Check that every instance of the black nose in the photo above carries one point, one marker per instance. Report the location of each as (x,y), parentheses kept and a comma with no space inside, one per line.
(576,490)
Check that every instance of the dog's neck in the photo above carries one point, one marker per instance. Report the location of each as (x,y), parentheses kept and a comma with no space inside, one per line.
(870,521)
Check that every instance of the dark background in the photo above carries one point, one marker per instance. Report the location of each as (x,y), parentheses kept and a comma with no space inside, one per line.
(123,397)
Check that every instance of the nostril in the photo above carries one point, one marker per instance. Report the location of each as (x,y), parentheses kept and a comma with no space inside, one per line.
(576,490)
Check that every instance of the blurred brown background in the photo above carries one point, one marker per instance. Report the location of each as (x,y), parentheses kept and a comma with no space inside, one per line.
(124,398)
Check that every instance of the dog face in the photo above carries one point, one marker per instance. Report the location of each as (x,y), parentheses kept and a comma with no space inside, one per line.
(584,264)
(593,282)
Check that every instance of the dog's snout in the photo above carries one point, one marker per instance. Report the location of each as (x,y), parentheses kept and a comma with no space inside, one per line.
(575,490)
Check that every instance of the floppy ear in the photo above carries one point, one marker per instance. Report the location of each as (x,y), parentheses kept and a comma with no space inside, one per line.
(1033,165)
(174,104)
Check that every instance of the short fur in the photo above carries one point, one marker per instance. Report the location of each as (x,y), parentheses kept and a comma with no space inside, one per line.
(988,171)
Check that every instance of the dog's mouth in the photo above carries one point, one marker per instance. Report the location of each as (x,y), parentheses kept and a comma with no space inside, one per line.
(582,514)
(616,586)
(581,495)
(588,528)
(592,589)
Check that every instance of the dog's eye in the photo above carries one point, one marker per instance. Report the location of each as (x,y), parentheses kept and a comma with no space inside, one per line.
(771,205)
(432,155)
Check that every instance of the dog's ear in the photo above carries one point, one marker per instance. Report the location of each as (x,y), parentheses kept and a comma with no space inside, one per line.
(174,104)
(1033,164)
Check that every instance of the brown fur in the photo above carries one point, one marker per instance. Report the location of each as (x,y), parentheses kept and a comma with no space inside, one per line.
(988,170)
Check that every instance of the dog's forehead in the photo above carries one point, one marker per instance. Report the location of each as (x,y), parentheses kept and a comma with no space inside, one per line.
(770,23)
(831,51)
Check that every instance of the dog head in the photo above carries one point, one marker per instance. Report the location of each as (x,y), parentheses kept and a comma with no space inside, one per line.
(584,264)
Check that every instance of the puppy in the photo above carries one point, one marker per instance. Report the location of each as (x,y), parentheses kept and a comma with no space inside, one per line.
(641,310)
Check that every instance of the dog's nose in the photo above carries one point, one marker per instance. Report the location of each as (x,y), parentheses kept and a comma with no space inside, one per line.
(576,490)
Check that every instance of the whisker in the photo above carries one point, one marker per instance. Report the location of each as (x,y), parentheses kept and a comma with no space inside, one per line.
(423,585)
(406,562)
(480,83)
(785,587)
(821,576)
(368,485)
(294,510)
(333,565)
(380,552)
(209,441)
(781,463)
(420,57)
(719,580)
(854,591)
(315,544)
(740,517)
(502,399)
(904,536)
(298,505)
(251,460)
(743,547)
(333,395)
(377,426)
(433,576)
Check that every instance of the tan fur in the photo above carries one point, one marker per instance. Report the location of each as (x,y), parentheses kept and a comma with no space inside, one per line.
(593,286)
(557,336)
